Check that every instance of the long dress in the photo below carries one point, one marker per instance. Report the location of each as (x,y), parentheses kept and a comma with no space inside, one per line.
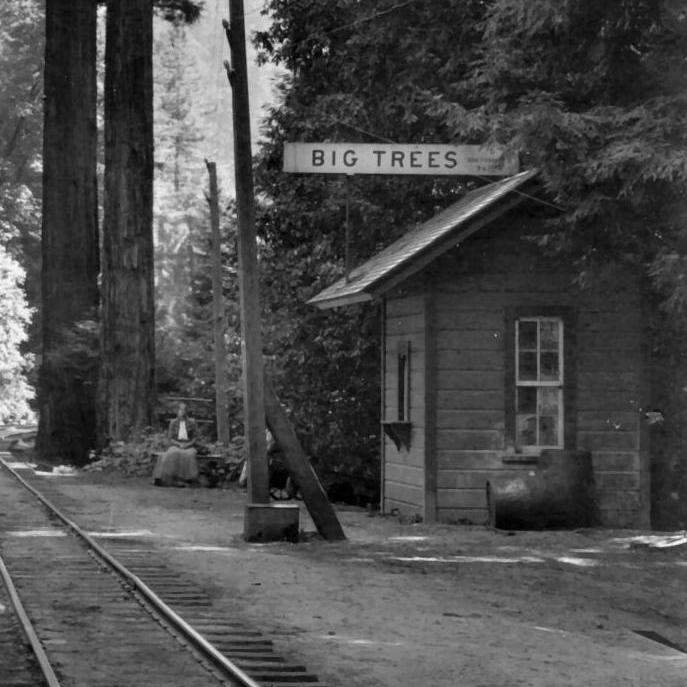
(177,465)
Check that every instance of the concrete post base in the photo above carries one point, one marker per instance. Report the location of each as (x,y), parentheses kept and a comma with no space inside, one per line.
(264,522)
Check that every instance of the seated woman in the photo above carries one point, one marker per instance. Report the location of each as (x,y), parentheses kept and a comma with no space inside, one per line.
(177,466)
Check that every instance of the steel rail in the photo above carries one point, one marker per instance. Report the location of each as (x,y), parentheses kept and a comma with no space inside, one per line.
(27,627)
(179,624)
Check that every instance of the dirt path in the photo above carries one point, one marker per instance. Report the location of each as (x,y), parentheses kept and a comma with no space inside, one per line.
(401,605)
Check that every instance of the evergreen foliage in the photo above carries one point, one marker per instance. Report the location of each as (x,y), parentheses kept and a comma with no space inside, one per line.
(21,41)
(179,212)
(15,393)
(184,333)
(593,94)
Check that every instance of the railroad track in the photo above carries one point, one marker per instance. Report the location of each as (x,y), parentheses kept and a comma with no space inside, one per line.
(114,617)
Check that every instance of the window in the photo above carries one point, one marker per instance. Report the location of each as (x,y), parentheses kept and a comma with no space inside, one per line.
(539,381)
(403,382)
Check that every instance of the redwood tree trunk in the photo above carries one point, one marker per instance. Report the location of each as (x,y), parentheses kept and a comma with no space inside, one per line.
(128,314)
(69,287)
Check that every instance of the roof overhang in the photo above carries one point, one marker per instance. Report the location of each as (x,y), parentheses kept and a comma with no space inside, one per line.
(425,243)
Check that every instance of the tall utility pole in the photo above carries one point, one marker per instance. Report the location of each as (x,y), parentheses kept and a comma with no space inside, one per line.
(251,337)
(263,521)
(218,319)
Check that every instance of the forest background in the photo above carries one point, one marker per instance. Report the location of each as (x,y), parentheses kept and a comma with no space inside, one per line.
(593,94)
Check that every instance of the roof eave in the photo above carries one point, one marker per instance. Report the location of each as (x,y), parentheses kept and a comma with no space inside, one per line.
(406,270)
(337,301)
(380,285)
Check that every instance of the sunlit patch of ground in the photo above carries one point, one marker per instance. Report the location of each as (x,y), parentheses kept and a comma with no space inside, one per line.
(467,559)
(205,549)
(654,541)
(121,534)
(37,533)
(359,641)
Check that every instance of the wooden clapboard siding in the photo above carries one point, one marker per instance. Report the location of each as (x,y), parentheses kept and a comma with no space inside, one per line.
(404,474)
(470,439)
(607,481)
(459,359)
(470,399)
(470,380)
(405,306)
(456,459)
(600,379)
(404,467)
(614,461)
(405,497)
(405,325)
(610,395)
(471,419)
(605,402)
(608,440)
(474,291)
(594,421)
(472,479)
(471,340)
(464,319)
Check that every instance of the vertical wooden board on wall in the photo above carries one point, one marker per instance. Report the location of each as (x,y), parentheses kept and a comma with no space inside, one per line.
(612,389)
(430,398)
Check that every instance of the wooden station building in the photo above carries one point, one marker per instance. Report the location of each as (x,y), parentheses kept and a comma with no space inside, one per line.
(492,353)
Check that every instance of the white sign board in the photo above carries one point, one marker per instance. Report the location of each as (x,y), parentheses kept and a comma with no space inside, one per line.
(397,158)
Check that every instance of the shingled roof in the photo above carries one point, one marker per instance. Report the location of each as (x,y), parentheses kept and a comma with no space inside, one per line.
(424,243)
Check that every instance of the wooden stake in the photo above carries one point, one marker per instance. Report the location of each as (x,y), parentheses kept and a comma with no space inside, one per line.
(218,319)
(314,495)
(251,337)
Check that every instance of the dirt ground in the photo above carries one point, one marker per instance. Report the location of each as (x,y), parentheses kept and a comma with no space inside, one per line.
(405,604)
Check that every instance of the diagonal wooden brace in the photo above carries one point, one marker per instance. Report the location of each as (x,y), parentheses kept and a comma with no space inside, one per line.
(314,496)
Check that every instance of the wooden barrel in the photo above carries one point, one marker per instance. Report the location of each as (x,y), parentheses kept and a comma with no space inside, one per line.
(560,494)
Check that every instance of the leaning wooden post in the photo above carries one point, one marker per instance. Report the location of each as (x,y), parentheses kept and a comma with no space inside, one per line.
(218,319)
(251,337)
(314,496)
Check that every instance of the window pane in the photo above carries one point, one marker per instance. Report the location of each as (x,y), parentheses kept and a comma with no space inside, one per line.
(549,334)
(549,401)
(549,366)
(527,335)
(526,427)
(549,405)
(527,370)
(527,399)
(548,430)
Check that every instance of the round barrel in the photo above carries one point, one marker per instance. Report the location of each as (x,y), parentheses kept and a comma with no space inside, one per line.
(560,494)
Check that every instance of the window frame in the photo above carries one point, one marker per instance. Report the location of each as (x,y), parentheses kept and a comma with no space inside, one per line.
(567,430)
(538,383)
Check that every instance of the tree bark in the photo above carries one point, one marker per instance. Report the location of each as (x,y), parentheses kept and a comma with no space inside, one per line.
(127,380)
(69,273)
